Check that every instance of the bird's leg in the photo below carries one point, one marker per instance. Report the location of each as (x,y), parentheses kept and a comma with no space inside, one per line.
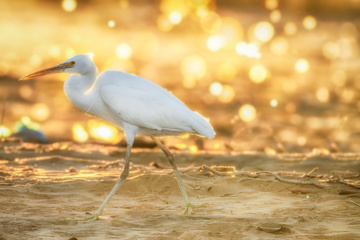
(122,178)
(170,157)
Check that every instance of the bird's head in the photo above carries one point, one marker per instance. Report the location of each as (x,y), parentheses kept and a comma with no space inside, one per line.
(79,64)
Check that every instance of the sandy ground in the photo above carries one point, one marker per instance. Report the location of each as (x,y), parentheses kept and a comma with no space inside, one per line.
(42,185)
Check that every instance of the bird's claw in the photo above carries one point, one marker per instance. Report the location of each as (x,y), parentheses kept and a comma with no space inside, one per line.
(189,207)
(86,219)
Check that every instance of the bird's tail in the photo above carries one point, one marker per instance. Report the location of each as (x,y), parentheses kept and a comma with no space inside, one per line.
(202,125)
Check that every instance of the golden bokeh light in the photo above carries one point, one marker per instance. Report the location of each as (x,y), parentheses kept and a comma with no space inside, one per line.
(171,6)
(247,112)
(301,141)
(275,16)
(216,145)
(274,102)
(322,94)
(193,149)
(111,23)
(26,91)
(271,4)
(103,131)
(193,66)
(123,51)
(216,88)
(227,94)
(279,46)
(231,31)
(40,112)
(331,50)
(309,22)
(290,28)
(69,5)
(215,43)
(79,133)
(202,11)
(286,59)
(302,65)
(249,50)
(175,17)
(270,151)
(26,121)
(4,132)
(287,135)
(258,73)
(164,24)
(263,31)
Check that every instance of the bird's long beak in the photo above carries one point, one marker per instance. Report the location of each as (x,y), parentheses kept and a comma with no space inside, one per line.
(55,69)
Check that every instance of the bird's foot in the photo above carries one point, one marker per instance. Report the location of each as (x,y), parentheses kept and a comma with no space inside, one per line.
(85,219)
(189,207)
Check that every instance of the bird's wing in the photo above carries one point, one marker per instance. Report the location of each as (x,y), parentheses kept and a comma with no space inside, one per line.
(142,103)
(147,108)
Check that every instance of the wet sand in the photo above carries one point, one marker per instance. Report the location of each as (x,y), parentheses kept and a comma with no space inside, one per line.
(42,185)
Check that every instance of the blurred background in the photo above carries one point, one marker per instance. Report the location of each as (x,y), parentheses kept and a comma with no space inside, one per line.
(273,76)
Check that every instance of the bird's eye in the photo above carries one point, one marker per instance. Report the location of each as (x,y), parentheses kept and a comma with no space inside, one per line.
(72,63)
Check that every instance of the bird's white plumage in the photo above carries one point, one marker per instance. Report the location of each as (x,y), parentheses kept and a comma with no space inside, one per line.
(139,102)
(132,103)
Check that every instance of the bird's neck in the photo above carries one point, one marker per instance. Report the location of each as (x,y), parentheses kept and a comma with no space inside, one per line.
(79,89)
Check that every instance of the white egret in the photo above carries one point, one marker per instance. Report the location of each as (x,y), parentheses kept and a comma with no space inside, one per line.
(134,105)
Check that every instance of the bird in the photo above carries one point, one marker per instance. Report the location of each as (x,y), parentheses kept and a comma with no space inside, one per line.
(134,105)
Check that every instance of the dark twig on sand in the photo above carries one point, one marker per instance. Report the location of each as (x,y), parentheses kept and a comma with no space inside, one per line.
(341,180)
(292,181)
(216,172)
(109,165)
(357,204)
(309,173)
